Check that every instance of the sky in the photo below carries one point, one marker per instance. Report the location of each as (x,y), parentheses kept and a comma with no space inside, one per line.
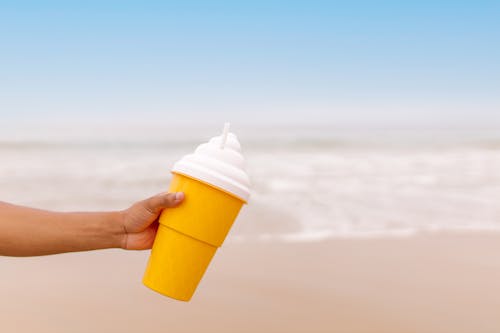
(380,64)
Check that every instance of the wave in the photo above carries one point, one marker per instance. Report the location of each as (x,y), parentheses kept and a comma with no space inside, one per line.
(302,191)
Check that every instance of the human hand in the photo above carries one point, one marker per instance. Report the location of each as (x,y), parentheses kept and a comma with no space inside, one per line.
(140,221)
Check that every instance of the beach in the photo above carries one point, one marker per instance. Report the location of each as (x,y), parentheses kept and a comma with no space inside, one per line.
(369,132)
(423,283)
(341,234)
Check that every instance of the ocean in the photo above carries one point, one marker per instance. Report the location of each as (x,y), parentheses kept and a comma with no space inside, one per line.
(306,185)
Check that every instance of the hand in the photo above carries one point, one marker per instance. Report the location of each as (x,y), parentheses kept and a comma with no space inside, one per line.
(140,221)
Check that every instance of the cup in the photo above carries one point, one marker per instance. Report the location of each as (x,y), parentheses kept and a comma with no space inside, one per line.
(216,186)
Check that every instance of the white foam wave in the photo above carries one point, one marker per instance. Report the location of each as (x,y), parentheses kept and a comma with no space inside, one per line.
(329,191)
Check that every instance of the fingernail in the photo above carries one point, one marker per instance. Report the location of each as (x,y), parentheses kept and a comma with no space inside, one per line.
(179,196)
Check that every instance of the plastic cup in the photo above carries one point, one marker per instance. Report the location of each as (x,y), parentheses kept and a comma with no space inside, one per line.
(215,187)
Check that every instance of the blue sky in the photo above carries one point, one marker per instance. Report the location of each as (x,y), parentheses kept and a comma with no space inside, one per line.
(347,63)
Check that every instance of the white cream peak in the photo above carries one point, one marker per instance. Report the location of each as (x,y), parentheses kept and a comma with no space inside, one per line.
(218,162)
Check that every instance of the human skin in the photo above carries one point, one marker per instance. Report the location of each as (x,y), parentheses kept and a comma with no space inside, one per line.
(26,231)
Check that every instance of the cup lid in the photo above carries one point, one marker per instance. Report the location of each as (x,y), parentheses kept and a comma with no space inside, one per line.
(219,163)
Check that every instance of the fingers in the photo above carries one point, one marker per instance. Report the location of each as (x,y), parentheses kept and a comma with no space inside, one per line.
(164,200)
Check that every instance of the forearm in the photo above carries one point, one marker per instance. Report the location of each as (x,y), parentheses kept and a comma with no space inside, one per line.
(30,232)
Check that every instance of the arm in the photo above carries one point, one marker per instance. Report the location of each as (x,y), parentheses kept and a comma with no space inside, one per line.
(31,232)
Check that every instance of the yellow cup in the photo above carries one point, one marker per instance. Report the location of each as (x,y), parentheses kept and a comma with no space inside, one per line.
(188,237)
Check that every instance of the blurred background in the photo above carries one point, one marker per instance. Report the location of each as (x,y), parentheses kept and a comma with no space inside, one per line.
(362,123)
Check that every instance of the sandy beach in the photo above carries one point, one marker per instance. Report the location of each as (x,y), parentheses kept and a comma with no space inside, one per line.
(425,283)
(341,261)
(369,132)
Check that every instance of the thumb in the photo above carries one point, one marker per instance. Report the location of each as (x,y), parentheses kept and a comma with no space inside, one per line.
(157,203)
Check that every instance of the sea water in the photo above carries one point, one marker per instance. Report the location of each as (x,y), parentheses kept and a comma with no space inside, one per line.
(305,187)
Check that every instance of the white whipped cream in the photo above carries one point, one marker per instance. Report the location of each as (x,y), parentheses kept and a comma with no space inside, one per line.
(219,163)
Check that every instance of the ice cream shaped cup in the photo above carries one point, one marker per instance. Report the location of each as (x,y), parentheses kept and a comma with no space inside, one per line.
(216,186)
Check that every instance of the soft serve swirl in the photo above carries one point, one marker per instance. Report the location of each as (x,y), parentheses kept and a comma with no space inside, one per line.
(218,163)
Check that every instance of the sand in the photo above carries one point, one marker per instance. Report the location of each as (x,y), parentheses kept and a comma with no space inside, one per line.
(426,283)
